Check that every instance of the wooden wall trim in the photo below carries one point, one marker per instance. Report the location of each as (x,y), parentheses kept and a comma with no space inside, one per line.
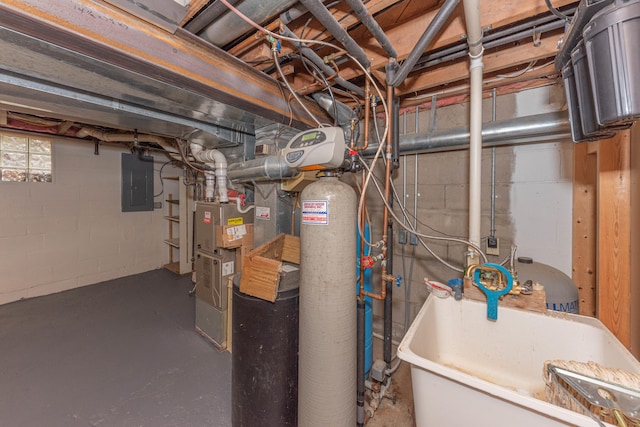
(635,241)
(614,235)
(606,233)
(585,180)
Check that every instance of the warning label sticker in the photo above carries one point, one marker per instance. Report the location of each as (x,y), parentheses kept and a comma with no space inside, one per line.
(227,268)
(315,212)
(234,221)
(263,212)
(237,232)
(207,217)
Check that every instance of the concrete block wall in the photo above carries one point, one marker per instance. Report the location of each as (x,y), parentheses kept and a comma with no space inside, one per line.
(533,206)
(71,232)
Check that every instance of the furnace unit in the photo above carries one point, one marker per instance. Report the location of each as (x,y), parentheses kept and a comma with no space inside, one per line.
(215,267)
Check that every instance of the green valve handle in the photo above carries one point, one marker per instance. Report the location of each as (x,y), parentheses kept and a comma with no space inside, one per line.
(493,296)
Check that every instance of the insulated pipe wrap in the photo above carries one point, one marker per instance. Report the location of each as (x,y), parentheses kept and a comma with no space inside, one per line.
(320,12)
(327,355)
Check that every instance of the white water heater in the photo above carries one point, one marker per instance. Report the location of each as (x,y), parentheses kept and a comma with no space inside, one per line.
(327,355)
(562,293)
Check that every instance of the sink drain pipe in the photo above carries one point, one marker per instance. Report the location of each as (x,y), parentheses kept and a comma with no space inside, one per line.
(474,40)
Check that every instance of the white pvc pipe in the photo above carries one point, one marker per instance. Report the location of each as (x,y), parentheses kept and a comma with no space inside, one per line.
(238,201)
(474,39)
(209,184)
(215,158)
(126,137)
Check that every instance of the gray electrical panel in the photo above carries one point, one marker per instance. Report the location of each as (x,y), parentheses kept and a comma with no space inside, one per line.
(215,267)
(137,183)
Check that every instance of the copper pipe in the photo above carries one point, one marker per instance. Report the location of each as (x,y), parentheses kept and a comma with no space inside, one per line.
(367,116)
(362,239)
(385,216)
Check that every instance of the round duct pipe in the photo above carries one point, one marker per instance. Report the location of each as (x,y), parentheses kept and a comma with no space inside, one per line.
(262,168)
(229,26)
(537,128)
(327,355)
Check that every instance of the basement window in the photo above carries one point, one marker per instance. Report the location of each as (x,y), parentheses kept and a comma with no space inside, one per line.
(24,159)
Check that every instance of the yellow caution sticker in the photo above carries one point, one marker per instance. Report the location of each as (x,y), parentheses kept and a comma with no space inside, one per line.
(234,221)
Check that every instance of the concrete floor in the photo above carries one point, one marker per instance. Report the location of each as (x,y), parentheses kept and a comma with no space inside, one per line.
(120,353)
(397,409)
(125,353)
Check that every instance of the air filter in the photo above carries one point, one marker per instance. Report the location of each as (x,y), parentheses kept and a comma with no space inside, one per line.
(611,44)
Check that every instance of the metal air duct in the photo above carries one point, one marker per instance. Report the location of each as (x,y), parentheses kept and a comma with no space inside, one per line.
(269,168)
(229,26)
(537,128)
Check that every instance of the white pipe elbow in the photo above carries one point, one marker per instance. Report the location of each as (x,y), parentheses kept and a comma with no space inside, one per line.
(217,161)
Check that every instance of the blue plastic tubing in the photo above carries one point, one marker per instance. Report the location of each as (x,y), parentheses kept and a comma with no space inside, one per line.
(368,311)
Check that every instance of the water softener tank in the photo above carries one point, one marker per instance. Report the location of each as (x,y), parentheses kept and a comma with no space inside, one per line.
(264,360)
(327,356)
(562,293)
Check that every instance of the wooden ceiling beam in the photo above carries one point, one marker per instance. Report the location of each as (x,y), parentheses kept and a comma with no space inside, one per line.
(245,49)
(405,35)
(538,77)
(193,8)
(493,62)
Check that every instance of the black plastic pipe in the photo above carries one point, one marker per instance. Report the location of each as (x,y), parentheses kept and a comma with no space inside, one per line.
(530,32)
(395,132)
(372,25)
(425,40)
(360,361)
(388,300)
(308,53)
(322,14)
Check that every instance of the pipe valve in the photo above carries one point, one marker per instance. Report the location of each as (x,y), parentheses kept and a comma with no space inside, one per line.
(367,262)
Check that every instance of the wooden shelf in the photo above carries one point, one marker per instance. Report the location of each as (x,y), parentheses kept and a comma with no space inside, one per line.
(173,242)
(179,230)
(174,267)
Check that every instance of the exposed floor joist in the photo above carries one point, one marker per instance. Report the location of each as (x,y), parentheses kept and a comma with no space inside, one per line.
(110,35)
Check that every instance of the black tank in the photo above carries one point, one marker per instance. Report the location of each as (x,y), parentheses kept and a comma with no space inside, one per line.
(264,385)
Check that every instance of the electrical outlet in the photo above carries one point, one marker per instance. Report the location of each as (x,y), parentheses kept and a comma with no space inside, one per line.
(413,239)
(261,150)
(493,246)
(402,237)
(157,205)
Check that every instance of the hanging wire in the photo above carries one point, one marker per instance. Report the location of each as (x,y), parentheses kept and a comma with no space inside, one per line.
(185,158)
(411,229)
(555,11)
(319,76)
(295,95)
(161,179)
(371,168)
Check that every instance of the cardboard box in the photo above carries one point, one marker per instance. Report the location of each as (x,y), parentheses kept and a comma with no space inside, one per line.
(234,236)
(262,267)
